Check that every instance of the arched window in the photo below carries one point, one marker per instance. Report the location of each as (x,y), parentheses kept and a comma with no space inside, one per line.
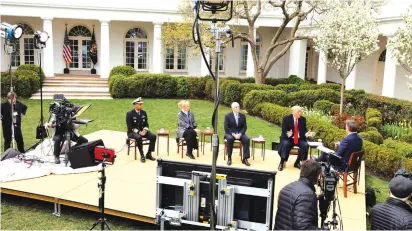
(382,57)
(80,31)
(135,49)
(244,51)
(80,41)
(25,49)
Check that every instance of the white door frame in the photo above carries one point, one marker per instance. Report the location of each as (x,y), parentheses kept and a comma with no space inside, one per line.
(136,53)
(80,52)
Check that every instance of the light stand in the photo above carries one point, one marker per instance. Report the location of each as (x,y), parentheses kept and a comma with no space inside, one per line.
(102,220)
(213,6)
(11,50)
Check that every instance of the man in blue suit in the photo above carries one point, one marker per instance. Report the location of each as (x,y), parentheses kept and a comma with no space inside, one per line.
(348,145)
(235,129)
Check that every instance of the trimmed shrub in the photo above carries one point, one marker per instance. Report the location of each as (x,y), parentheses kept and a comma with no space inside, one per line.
(25,83)
(368,129)
(406,138)
(230,92)
(393,110)
(196,86)
(120,88)
(373,118)
(293,79)
(308,97)
(248,87)
(272,112)
(355,97)
(400,147)
(288,88)
(122,70)
(372,136)
(182,87)
(136,87)
(113,79)
(334,110)
(255,97)
(323,105)
(381,159)
(276,81)
(32,67)
(332,86)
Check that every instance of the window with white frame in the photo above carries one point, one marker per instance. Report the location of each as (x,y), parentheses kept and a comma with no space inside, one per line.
(244,51)
(221,60)
(176,58)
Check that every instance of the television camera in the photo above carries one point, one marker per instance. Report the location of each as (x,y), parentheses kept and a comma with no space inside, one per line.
(328,185)
(65,120)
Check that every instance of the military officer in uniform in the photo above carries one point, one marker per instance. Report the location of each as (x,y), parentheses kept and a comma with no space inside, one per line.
(19,109)
(138,127)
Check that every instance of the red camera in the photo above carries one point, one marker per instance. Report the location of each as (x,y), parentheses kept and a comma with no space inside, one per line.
(104,154)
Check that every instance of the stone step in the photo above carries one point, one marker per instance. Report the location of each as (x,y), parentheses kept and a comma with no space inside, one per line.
(76,78)
(80,74)
(76,89)
(64,82)
(74,84)
(73,93)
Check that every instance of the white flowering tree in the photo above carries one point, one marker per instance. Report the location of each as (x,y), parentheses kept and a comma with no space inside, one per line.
(401,45)
(348,34)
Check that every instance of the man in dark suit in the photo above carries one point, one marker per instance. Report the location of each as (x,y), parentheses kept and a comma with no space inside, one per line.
(7,120)
(138,127)
(235,129)
(348,145)
(294,133)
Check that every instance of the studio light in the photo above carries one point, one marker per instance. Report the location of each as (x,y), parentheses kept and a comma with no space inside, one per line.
(10,32)
(40,38)
(215,5)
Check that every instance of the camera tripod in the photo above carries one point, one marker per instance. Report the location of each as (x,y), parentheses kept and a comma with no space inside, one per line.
(102,220)
(333,222)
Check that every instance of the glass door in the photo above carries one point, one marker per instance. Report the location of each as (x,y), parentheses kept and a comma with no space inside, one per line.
(136,54)
(74,46)
(142,55)
(80,53)
(86,60)
(130,60)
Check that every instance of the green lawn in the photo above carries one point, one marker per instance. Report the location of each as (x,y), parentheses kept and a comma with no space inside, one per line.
(381,187)
(162,113)
(19,213)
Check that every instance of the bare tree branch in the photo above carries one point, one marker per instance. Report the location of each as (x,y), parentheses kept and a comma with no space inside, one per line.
(259,9)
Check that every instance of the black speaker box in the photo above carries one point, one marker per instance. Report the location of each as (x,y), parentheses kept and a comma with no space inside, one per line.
(83,155)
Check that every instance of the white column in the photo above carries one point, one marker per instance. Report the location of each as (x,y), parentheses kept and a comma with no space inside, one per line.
(250,68)
(48,54)
(297,58)
(104,49)
(389,75)
(157,48)
(203,68)
(351,80)
(322,67)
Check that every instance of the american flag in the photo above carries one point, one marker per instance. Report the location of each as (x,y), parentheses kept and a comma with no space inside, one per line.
(66,49)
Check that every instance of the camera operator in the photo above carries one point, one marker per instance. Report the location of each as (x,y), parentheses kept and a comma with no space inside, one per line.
(19,109)
(395,213)
(60,130)
(298,203)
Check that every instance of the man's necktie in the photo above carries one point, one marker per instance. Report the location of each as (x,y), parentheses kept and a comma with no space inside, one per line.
(236,118)
(296,133)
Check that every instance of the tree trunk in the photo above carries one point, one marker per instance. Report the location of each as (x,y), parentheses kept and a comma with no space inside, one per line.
(341,96)
(259,77)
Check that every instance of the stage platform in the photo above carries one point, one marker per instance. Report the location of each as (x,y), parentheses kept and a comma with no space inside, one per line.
(131,185)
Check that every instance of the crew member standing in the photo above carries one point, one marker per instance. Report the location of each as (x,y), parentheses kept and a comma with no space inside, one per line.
(19,109)
(138,127)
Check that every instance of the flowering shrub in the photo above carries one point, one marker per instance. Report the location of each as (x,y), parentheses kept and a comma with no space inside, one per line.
(340,121)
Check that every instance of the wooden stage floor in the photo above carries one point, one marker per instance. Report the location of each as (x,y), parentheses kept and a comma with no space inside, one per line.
(131,185)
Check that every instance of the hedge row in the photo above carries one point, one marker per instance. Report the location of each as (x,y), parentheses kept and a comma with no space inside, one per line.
(25,80)
(378,158)
(373,118)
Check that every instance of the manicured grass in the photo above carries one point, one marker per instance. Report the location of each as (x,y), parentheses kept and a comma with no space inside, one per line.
(162,113)
(381,187)
(19,213)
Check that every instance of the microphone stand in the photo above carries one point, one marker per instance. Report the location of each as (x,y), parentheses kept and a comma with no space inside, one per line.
(102,220)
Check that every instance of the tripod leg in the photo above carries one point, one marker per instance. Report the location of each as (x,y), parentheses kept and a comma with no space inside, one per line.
(107,224)
(95,224)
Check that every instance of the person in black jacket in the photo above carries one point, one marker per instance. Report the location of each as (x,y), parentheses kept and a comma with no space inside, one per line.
(235,129)
(297,201)
(395,213)
(19,109)
(138,127)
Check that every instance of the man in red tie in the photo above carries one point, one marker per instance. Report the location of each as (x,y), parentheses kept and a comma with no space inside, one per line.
(294,133)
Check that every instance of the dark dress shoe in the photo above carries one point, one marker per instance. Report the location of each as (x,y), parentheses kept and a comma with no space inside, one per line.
(297,165)
(280,168)
(190,155)
(57,160)
(246,162)
(229,162)
(150,157)
(142,159)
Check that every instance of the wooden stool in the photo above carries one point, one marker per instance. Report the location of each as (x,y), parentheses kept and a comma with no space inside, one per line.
(132,143)
(237,144)
(181,142)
